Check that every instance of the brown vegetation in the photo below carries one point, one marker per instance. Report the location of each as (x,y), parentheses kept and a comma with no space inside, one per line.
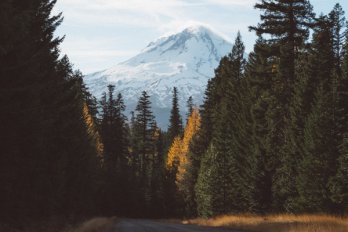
(96,225)
(278,223)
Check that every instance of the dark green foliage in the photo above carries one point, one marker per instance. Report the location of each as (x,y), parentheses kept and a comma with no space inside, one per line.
(204,186)
(47,156)
(273,133)
(338,31)
(276,139)
(318,158)
(287,22)
(175,122)
(189,105)
(338,183)
(147,159)
(113,133)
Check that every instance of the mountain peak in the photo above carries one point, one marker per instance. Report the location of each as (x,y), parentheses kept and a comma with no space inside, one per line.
(197,29)
(185,60)
(196,32)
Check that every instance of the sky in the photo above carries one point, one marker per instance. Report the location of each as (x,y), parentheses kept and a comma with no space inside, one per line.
(102,33)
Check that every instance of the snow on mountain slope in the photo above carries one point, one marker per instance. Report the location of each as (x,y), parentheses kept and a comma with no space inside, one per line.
(185,60)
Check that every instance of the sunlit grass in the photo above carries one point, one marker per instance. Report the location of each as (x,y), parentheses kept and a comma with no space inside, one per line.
(278,223)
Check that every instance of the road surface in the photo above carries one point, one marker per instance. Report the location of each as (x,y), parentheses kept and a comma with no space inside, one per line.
(132,225)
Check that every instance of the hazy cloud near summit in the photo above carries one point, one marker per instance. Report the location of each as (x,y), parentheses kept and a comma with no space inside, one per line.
(97,29)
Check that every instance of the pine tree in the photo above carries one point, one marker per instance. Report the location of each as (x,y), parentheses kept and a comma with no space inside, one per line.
(175,121)
(338,24)
(190,106)
(321,134)
(284,188)
(114,137)
(144,121)
(287,23)
(54,157)
(144,130)
(257,125)
(204,186)
(338,184)
(227,137)
(314,169)
(345,59)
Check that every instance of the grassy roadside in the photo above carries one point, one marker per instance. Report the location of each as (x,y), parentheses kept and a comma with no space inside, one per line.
(277,223)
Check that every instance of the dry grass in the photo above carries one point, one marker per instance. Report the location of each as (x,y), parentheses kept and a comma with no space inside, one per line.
(96,225)
(278,223)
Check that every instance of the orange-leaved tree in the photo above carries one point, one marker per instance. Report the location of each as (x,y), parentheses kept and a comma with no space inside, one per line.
(177,155)
(92,131)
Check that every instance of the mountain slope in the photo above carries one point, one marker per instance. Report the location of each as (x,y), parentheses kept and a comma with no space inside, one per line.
(186,60)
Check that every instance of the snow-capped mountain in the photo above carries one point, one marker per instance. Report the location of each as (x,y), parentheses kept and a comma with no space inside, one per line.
(185,60)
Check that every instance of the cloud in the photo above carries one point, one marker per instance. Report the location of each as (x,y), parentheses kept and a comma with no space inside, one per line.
(246,3)
(101,30)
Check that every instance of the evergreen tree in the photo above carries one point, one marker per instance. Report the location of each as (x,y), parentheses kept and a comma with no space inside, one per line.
(318,160)
(175,121)
(338,24)
(287,23)
(260,128)
(199,144)
(338,184)
(321,129)
(204,185)
(54,159)
(229,161)
(114,136)
(144,130)
(189,105)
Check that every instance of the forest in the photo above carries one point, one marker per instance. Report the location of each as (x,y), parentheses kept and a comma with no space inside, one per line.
(270,137)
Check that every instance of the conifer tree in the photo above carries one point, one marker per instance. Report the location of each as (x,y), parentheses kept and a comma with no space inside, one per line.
(321,134)
(114,137)
(43,102)
(144,122)
(145,129)
(287,23)
(189,105)
(204,185)
(338,184)
(175,121)
(338,28)
(318,160)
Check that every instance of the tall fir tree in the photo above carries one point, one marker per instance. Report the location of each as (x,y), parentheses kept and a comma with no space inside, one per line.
(339,32)
(190,106)
(144,130)
(175,122)
(114,136)
(54,157)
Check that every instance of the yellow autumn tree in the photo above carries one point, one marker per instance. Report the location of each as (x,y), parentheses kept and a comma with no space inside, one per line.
(174,153)
(92,131)
(191,129)
(177,155)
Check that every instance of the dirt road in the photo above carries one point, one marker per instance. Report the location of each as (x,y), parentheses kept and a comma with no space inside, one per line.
(132,225)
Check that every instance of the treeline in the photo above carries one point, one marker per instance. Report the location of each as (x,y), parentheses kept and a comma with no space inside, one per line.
(63,153)
(135,178)
(48,157)
(273,134)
